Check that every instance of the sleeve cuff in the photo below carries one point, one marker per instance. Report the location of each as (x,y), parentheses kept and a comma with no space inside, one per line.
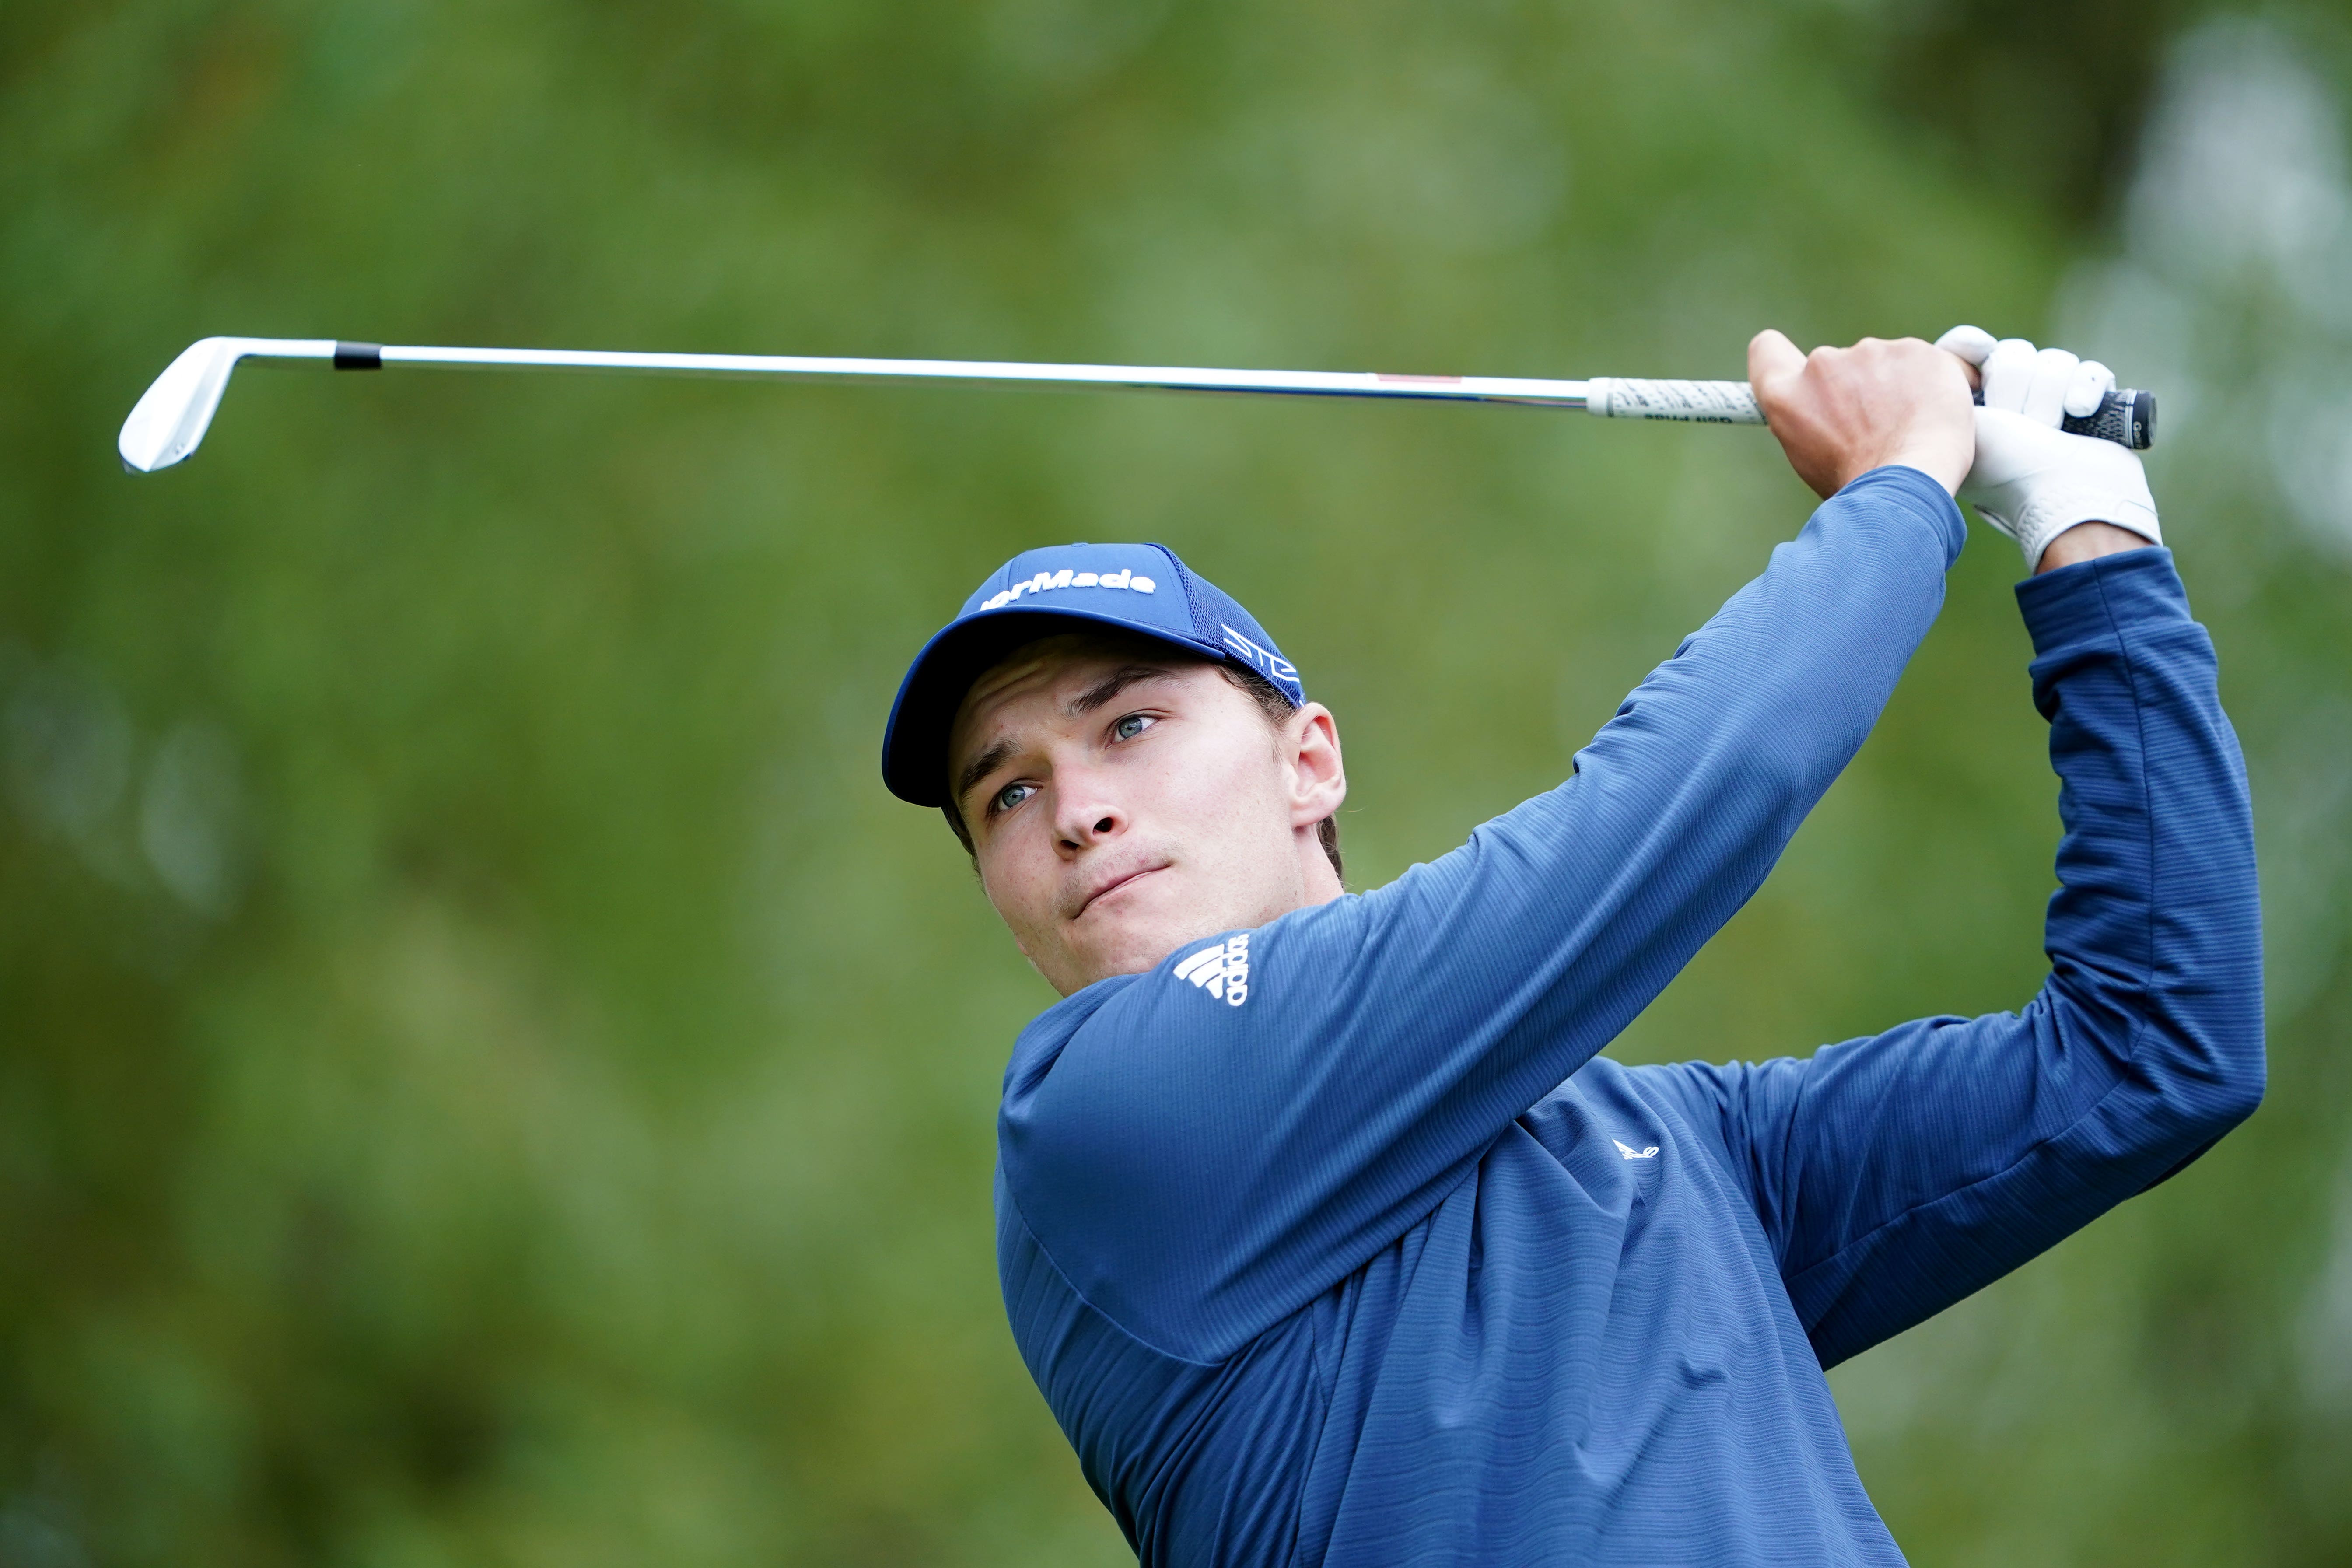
(2094,598)
(1919,495)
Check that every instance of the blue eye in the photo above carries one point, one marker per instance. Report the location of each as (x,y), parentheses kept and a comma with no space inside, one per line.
(1134,724)
(1012,794)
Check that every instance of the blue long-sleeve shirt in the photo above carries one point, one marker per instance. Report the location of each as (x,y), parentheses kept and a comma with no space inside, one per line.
(1333,1242)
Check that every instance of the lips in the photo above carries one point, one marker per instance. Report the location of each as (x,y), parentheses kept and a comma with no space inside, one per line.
(1112,885)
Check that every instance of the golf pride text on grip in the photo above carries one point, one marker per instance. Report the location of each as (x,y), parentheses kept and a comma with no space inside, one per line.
(2126,418)
(1690,402)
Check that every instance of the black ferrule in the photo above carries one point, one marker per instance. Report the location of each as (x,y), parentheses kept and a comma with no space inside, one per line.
(359,356)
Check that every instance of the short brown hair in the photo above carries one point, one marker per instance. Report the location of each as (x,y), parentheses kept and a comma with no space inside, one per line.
(1271,705)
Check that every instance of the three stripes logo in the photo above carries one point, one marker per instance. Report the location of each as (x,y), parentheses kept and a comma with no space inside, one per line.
(1221,969)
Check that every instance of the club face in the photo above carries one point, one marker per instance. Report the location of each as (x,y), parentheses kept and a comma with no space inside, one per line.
(171,418)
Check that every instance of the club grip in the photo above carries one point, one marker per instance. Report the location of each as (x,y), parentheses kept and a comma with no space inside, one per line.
(2126,418)
(1691,402)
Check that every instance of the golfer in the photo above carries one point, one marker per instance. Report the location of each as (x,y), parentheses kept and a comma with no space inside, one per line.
(1323,1230)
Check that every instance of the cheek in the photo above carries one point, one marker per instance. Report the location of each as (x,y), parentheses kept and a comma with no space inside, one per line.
(1018,876)
(1232,792)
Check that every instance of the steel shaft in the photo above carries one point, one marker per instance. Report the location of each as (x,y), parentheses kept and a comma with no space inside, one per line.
(169,420)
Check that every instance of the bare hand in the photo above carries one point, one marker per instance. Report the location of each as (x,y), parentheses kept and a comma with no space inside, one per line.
(1840,413)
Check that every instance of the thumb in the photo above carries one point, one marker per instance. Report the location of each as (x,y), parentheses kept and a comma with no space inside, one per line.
(2011,447)
(1772,359)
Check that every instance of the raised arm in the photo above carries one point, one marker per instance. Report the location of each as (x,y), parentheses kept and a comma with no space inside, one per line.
(1199,1167)
(1897,1173)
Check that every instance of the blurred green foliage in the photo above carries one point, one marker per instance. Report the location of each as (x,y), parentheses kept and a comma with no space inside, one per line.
(485,1073)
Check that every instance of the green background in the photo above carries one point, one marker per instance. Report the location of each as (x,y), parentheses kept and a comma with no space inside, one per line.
(487,1076)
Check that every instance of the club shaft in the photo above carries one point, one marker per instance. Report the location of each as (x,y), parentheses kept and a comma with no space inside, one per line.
(795,367)
(170,420)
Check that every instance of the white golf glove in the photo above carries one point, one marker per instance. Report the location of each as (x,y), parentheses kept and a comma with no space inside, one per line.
(2032,480)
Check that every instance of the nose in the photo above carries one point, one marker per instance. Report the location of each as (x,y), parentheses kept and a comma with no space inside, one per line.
(1085,813)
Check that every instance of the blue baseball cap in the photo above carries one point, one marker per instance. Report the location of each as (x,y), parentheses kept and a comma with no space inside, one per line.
(1140,588)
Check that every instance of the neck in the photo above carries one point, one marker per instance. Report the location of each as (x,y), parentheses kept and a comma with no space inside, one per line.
(1318,884)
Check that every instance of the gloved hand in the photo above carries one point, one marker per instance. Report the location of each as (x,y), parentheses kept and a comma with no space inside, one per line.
(2032,480)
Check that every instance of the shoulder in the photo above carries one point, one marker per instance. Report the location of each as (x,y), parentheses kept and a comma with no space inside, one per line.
(1041,1042)
(1153,1044)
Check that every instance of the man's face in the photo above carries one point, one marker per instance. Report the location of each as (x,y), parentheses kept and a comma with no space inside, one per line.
(1122,801)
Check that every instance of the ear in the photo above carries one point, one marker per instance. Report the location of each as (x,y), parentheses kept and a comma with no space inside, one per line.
(1319,780)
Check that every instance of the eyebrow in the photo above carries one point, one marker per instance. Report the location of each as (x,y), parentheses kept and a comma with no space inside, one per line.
(1111,685)
(980,767)
(1094,697)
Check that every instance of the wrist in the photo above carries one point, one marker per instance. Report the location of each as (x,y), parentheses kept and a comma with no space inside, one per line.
(1940,460)
(2087,542)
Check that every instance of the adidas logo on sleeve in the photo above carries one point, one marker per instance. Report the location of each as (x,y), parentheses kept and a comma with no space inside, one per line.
(1222,968)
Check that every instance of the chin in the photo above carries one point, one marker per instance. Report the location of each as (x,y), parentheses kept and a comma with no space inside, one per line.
(1130,941)
(1135,947)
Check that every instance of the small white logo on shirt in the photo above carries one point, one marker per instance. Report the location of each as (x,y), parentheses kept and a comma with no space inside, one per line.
(1633,1153)
(1222,968)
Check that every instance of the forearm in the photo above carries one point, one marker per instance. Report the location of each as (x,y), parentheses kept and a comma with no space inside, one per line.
(2154,936)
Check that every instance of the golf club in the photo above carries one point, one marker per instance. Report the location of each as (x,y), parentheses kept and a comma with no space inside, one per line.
(170,420)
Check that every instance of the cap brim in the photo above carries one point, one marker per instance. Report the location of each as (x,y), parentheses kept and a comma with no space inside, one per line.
(915,744)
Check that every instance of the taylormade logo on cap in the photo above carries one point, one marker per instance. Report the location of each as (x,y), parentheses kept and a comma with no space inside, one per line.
(1046,582)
